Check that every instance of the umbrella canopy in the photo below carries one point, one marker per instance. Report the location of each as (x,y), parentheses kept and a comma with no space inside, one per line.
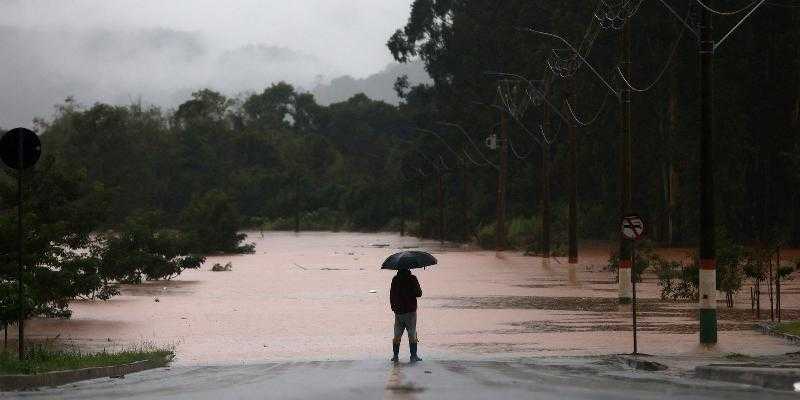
(409,260)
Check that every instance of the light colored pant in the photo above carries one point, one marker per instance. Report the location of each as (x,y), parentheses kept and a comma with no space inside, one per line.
(407,321)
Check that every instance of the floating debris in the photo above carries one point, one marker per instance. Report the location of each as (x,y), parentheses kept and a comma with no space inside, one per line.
(222,268)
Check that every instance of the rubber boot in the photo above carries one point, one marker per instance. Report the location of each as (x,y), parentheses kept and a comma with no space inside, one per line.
(413,348)
(396,351)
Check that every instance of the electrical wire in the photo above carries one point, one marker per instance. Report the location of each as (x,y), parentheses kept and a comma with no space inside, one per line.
(593,120)
(469,157)
(443,141)
(726,13)
(660,74)
(463,132)
(517,154)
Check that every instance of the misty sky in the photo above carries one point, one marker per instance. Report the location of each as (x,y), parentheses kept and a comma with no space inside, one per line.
(119,51)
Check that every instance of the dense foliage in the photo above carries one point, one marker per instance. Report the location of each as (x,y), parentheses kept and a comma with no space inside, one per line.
(757,104)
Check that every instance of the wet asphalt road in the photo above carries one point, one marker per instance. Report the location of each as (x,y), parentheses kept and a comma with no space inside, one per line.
(542,379)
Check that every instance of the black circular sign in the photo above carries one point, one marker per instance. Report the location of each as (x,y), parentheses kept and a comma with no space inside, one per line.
(10,148)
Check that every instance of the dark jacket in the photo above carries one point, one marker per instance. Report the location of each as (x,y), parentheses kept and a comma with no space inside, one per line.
(404,292)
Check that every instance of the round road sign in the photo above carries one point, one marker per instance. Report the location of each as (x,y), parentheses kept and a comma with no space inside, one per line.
(10,148)
(633,227)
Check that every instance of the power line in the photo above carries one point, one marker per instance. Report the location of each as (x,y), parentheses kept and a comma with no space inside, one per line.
(593,120)
(463,132)
(726,13)
(660,74)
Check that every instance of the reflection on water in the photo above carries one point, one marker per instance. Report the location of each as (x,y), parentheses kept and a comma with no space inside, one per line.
(321,296)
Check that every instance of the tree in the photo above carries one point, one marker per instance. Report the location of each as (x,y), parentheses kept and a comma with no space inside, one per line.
(61,210)
(211,223)
(140,250)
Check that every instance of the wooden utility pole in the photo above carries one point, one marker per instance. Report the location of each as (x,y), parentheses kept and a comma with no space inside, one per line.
(297,203)
(546,186)
(465,200)
(778,284)
(421,208)
(441,206)
(402,212)
(573,183)
(500,228)
(708,257)
(625,264)
(771,299)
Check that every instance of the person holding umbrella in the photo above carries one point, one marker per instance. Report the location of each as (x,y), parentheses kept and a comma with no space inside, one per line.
(403,296)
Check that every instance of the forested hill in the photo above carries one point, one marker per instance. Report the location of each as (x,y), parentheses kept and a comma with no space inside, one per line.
(379,86)
(273,156)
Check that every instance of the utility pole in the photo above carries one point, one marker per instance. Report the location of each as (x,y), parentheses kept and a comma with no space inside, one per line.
(500,228)
(625,264)
(20,267)
(778,284)
(441,207)
(546,187)
(708,258)
(421,208)
(297,203)
(573,184)
(402,212)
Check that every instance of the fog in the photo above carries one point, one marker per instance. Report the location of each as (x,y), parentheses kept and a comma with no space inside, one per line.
(160,51)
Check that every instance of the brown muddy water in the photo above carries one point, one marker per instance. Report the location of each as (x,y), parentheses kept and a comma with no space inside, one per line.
(321,296)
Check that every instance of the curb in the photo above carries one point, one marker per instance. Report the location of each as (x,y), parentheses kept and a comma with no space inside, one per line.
(638,362)
(58,378)
(769,329)
(643,365)
(770,377)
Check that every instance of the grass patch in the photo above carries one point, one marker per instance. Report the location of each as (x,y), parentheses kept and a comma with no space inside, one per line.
(45,358)
(791,328)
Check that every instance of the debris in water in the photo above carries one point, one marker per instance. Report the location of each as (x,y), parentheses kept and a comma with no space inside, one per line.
(300,266)
(222,268)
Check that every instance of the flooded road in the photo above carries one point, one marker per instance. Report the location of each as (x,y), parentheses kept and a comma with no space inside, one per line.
(321,296)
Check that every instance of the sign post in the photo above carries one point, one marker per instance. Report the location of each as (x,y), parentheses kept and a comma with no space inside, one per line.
(633,229)
(20,148)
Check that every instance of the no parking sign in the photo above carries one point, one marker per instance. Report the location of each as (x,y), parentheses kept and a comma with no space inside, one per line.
(633,227)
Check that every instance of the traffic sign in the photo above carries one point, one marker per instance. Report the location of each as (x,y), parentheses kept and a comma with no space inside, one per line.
(20,139)
(633,227)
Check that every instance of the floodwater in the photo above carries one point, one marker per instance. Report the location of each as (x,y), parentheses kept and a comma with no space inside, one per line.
(321,296)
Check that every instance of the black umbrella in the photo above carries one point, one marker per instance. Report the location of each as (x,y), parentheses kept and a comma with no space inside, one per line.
(409,260)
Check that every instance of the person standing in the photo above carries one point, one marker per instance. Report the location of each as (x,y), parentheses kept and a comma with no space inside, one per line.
(403,298)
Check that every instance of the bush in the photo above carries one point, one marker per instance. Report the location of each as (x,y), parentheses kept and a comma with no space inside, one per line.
(678,281)
(645,257)
(523,232)
(487,237)
(211,223)
(140,250)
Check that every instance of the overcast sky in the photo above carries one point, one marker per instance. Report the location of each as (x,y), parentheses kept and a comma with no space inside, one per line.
(161,50)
